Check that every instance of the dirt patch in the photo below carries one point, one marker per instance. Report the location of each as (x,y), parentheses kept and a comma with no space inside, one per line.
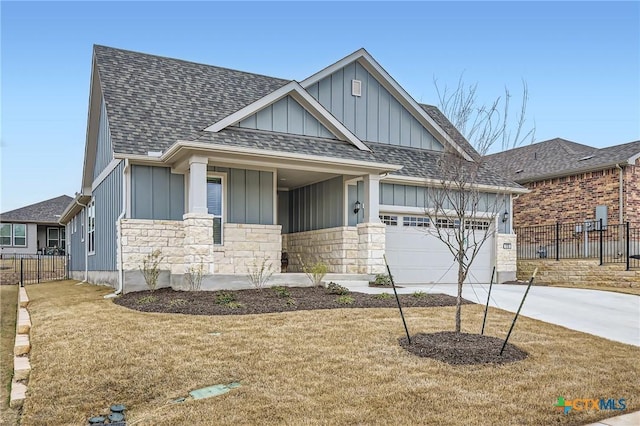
(269,300)
(462,348)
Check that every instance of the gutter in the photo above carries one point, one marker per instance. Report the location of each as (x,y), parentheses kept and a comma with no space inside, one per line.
(120,288)
(86,243)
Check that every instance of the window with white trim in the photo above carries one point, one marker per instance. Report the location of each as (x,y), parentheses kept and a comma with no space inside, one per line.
(19,234)
(63,238)
(53,237)
(5,234)
(91,227)
(481,225)
(215,201)
(420,222)
(389,220)
(82,213)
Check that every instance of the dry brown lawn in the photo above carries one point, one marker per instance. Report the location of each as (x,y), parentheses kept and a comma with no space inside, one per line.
(341,366)
(8,311)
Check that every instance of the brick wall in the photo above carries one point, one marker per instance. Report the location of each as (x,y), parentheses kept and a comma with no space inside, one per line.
(574,198)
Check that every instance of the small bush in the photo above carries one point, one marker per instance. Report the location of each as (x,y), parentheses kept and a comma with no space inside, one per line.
(315,272)
(382,296)
(345,300)
(225,298)
(419,294)
(151,268)
(145,300)
(193,276)
(291,302)
(334,288)
(260,274)
(177,302)
(233,305)
(383,280)
(281,292)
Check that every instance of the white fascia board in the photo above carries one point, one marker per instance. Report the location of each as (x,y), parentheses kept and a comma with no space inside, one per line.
(91,144)
(322,162)
(303,98)
(632,160)
(436,183)
(372,66)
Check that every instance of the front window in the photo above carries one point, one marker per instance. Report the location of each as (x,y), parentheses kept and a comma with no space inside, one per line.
(5,234)
(91,226)
(215,206)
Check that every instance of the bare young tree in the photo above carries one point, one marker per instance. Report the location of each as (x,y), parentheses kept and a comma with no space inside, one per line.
(464,205)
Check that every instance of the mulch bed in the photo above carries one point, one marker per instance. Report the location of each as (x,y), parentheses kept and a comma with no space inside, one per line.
(462,348)
(267,300)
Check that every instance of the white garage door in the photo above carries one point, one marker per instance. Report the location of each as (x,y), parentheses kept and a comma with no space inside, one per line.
(417,257)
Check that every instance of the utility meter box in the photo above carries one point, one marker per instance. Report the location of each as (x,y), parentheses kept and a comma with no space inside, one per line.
(601,213)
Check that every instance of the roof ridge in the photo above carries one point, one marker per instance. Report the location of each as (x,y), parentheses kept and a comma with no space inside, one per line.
(189,62)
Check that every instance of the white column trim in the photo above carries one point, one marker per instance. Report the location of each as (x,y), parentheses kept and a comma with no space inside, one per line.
(372,198)
(198,184)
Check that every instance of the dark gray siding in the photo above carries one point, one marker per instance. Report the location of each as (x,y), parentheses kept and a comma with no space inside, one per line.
(104,150)
(108,206)
(375,116)
(75,243)
(417,196)
(284,212)
(286,116)
(317,206)
(249,196)
(156,193)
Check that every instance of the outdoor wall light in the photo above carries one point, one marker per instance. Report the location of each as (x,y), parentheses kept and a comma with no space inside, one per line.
(356,207)
(505,217)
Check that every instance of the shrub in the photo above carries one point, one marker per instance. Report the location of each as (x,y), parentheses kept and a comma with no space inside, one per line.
(193,276)
(419,294)
(177,302)
(382,296)
(315,272)
(345,300)
(260,275)
(281,292)
(150,268)
(145,300)
(291,302)
(233,305)
(334,288)
(382,279)
(225,298)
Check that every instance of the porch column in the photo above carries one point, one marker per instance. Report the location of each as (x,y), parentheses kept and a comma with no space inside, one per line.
(198,185)
(372,198)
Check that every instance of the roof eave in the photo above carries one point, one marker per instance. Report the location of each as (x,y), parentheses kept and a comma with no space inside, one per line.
(572,172)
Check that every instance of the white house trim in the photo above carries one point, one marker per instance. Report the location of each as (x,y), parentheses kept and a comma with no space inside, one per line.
(373,67)
(436,183)
(303,98)
(103,175)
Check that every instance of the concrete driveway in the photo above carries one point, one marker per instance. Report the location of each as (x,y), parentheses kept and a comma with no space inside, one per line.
(614,316)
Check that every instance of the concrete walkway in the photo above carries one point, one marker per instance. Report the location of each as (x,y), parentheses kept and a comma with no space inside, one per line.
(614,316)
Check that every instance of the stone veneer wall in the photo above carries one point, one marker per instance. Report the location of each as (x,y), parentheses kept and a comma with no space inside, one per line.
(337,247)
(506,258)
(141,237)
(579,273)
(246,245)
(371,248)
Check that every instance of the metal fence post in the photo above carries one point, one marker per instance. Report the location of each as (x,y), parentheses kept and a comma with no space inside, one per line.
(38,266)
(21,273)
(628,233)
(601,243)
(557,240)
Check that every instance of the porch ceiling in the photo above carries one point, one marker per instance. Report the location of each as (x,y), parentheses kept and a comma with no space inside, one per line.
(290,178)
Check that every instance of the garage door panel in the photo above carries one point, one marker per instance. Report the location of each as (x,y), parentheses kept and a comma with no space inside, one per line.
(417,257)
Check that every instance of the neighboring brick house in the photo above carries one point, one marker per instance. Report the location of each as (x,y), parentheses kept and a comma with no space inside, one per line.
(568,180)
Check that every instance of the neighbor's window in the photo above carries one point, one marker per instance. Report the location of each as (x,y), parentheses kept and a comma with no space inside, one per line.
(63,239)
(5,234)
(20,235)
(91,226)
(420,222)
(52,237)
(389,220)
(215,206)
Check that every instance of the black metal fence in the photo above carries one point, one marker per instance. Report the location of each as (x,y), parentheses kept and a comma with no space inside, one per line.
(619,243)
(33,268)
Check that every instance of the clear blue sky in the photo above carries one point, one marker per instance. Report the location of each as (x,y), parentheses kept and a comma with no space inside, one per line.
(581,62)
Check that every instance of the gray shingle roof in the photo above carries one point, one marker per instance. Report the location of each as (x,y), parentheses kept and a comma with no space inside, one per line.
(558,157)
(153,101)
(48,211)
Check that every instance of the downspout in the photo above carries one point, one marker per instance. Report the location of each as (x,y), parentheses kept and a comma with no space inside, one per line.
(119,228)
(86,252)
(620,210)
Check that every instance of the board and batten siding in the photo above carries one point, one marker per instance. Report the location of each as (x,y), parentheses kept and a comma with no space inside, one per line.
(286,116)
(355,193)
(375,116)
(76,242)
(104,148)
(317,206)
(416,196)
(156,193)
(249,195)
(108,206)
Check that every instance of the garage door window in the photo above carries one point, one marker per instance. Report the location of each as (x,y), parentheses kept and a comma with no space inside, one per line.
(389,220)
(420,222)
